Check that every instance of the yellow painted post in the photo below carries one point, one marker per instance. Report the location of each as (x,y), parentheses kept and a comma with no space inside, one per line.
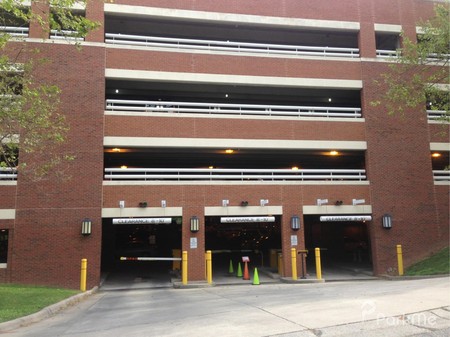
(209,266)
(318,266)
(400,260)
(294,263)
(83,274)
(280,264)
(184,268)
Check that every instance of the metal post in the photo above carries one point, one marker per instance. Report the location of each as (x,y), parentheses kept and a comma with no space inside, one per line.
(83,274)
(318,266)
(294,263)
(209,266)
(184,268)
(400,260)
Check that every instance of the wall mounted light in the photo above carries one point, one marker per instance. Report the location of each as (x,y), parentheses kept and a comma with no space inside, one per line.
(295,222)
(387,221)
(321,202)
(86,227)
(163,203)
(225,202)
(195,224)
(122,203)
(263,202)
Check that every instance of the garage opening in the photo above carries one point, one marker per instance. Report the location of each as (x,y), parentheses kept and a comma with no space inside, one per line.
(344,243)
(141,251)
(231,238)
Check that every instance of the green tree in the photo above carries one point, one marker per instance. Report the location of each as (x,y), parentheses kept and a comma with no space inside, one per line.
(30,120)
(419,75)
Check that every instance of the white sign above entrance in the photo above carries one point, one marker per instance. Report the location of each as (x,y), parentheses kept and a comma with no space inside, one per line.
(247,219)
(345,218)
(141,221)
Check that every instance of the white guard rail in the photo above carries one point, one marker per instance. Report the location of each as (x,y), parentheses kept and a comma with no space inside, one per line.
(441,175)
(386,53)
(179,174)
(436,114)
(64,35)
(230,109)
(245,47)
(15,31)
(7,173)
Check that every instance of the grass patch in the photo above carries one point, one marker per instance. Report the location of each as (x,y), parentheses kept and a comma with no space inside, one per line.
(19,300)
(436,264)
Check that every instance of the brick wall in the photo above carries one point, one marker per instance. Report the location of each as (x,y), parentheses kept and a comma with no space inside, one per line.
(48,245)
(399,169)
(122,126)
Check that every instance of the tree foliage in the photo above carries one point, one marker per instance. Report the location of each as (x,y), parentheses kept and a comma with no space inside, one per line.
(419,75)
(30,117)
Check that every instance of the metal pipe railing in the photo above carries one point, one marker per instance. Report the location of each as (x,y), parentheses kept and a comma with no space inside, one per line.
(231,109)
(8,173)
(266,48)
(178,174)
(15,31)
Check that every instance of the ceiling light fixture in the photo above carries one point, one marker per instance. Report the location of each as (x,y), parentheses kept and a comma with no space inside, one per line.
(229,151)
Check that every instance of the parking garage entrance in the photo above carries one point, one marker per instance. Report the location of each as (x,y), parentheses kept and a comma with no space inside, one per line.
(231,238)
(344,243)
(140,251)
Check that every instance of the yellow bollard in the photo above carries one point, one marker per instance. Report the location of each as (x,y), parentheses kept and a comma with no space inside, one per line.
(318,266)
(294,263)
(83,274)
(400,260)
(280,264)
(209,266)
(184,268)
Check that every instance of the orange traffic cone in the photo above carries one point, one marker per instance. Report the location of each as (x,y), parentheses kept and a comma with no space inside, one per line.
(246,275)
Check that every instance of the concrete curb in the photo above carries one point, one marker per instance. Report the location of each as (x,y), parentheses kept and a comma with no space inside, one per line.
(418,277)
(46,312)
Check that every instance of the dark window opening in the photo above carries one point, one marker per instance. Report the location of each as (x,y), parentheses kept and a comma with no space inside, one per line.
(4,245)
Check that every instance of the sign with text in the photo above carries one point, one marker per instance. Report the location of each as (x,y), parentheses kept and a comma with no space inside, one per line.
(246,219)
(141,221)
(325,218)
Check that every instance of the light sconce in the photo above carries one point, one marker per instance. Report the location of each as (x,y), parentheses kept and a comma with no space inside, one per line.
(195,224)
(358,201)
(225,202)
(163,203)
(387,221)
(86,227)
(122,203)
(263,202)
(295,222)
(321,202)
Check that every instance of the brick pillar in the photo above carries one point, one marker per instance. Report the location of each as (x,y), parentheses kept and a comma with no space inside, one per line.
(95,12)
(38,30)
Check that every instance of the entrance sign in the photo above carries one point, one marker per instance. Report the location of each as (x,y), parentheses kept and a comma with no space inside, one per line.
(346,218)
(247,219)
(141,221)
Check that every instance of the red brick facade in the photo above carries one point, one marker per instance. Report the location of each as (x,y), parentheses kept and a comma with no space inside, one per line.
(45,245)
